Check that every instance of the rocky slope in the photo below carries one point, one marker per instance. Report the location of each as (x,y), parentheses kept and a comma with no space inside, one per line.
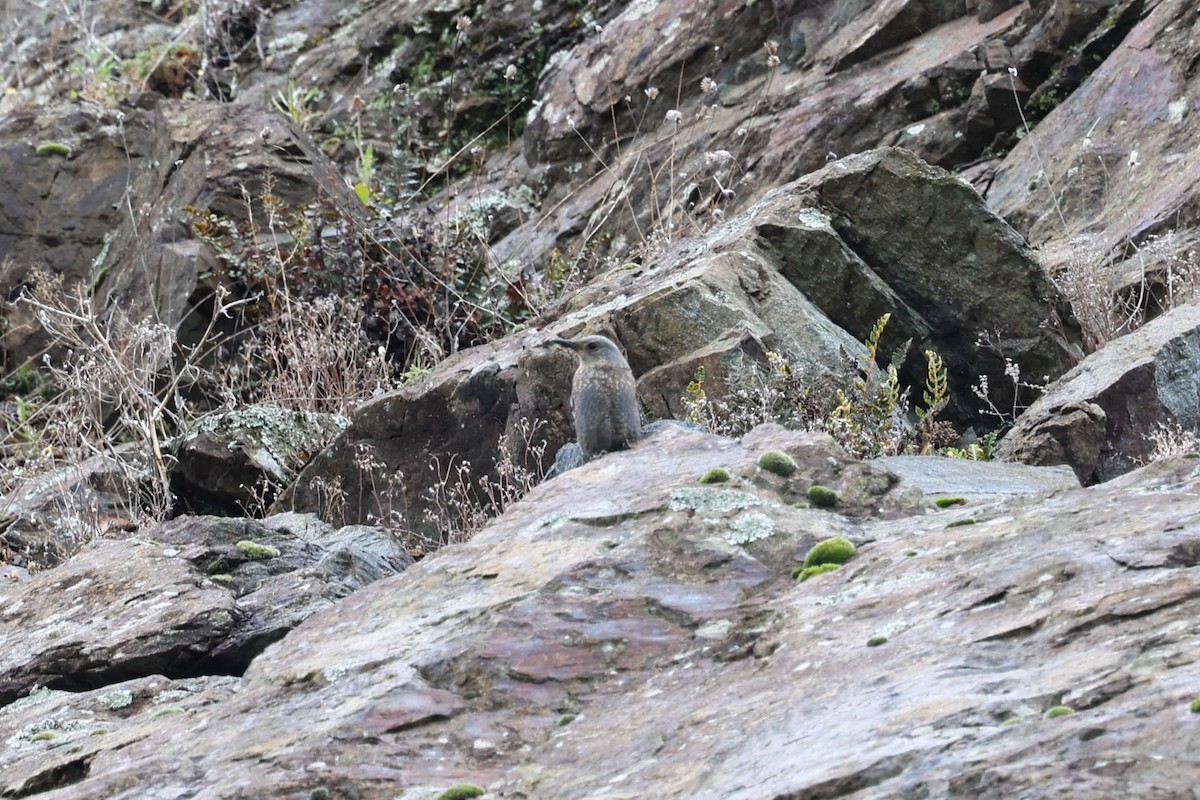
(626,630)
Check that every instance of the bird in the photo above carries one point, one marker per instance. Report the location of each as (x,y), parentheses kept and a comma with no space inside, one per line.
(603,398)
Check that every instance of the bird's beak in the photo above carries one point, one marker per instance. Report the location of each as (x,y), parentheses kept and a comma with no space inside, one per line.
(562,342)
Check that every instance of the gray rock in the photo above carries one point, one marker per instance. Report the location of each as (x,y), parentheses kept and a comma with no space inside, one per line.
(1099,417)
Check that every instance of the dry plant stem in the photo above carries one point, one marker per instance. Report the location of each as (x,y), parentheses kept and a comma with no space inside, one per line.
(1012,82)
(118,367)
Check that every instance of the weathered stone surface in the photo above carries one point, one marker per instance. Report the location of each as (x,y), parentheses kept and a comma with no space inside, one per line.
(598,620)
(199,594)
(171,155)
(883,232)
(231,459)
(976,482)
(42,520)
(1097,418)
(114,611)
(1119,158)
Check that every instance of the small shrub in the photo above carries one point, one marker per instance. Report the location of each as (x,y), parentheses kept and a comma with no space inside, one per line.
(863,407)
(875,641)
(837,550)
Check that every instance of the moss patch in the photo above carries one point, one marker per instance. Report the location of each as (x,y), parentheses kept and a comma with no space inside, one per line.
(946,502)
(875,641)
(822,497)
(777,462)
(715,475)
(256,551)
(804,573)
(1058,711)
(54,149)
(461,792)
(837,550)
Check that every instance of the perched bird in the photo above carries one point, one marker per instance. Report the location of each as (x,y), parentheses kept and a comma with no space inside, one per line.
(602,397)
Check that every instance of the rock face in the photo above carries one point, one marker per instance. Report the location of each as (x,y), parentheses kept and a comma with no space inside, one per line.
(114,215)
(805,273)
(1087,169)
(626,631)
(624,609)
(206,595)
(1096,417)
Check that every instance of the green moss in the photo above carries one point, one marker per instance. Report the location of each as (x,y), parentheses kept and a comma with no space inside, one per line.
(461,792)
(223,578)
(910,553)
(715,475)
(804,573)
(256,551)
(837,550)
(960,522)
(1196,706)
(778,462)
(54,149)
(875,641)
(1058,711)
(566,719)
(42,736)
(319,793)
(946,502)
(822,497)
(1008,723)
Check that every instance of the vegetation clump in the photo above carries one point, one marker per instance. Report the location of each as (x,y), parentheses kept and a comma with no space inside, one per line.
(715,475)
(257,552)
(836,550)
(802,574)
(463,791)
(875,641)
(863,407)
(54,149)
(946,502)
(777,462)
(822,497)
(1058,711)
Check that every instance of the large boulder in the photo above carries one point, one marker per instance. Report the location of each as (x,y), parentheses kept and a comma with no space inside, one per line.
(199,594)
(1100,417)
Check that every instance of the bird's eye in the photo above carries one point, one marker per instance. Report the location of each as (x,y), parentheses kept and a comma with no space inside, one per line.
(592,345)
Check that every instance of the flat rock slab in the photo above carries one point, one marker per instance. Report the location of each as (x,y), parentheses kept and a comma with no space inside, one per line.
(977,481)
(116,609)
